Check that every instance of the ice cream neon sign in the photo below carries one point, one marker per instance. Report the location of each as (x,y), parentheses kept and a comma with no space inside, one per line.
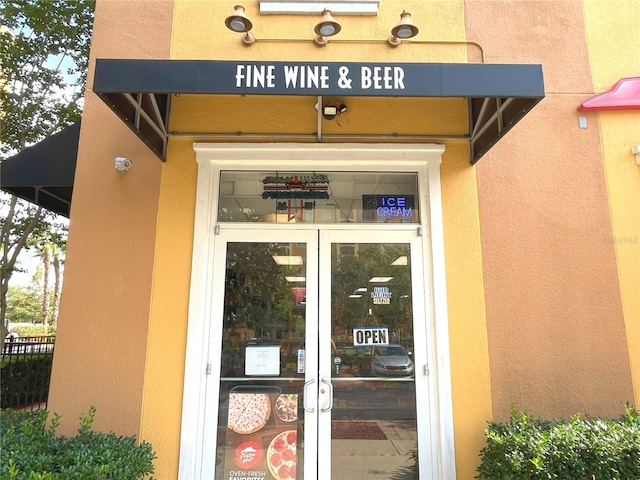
(389,205)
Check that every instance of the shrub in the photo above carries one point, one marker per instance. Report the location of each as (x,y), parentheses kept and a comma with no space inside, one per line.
(528,448)
(25,379)
(29,450)
(35,330)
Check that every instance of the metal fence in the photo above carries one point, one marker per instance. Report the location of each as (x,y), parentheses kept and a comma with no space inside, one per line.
(25,369)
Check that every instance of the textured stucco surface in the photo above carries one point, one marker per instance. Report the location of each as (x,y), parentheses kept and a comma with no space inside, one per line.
(619,131)
(470,380)
(557,342)
(169,308)
(538,288)
(102,331)
(194,23)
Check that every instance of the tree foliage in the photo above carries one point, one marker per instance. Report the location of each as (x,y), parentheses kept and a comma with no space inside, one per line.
(24,304)
(44,52)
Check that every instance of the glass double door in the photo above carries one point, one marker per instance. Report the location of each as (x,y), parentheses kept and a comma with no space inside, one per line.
(321,341)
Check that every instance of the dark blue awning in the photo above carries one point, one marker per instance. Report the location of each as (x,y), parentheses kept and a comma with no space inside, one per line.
(498,95)
(43,174)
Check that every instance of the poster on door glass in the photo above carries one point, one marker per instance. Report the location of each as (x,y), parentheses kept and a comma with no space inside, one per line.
(262,436)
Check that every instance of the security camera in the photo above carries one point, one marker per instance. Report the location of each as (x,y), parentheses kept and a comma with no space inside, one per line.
(636,151)
(123,164)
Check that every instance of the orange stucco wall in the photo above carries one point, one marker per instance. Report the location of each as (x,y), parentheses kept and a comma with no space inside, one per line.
(543,303)
(557,339)
(195,25)
(102,333)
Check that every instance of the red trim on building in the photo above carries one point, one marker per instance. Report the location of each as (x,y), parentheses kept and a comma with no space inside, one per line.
(625,95)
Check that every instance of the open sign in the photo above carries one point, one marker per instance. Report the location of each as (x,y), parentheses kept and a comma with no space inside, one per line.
(370,336)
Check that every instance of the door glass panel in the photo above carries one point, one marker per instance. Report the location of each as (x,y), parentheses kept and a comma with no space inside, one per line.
(363,414)
(373,419)
(260,423)
(311,197)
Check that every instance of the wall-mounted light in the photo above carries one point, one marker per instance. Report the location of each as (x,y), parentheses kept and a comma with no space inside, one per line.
(238,22)
(636,151)
(331,110)
(327,27)
(403,30)
(123,164)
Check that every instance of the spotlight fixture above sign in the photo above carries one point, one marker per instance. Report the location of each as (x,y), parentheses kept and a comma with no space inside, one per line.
(240,23)
(403,30)
(327,27)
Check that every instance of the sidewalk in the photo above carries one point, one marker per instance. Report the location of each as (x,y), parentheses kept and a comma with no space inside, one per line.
(375,459)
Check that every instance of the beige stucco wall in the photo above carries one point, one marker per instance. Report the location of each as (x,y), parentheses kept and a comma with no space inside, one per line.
(542,306)
(101,345)
(557,338)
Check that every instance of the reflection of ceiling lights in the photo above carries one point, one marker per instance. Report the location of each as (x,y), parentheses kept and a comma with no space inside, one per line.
(295,279)
(355,295)
(361,289)
(380,279)
(400,260)
(288,259)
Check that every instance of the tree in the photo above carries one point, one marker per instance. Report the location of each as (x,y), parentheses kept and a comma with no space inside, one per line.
(44,51)
(46,297)
(24,304)
(57,284)
(49,249)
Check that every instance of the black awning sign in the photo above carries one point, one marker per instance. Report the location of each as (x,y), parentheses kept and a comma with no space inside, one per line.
(126,84)
(283,76)
(316,78)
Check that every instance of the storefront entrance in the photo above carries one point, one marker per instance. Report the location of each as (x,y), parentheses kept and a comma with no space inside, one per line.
(317,344)
(320,375)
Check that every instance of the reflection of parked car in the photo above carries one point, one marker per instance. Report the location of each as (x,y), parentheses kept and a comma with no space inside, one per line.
(392,360)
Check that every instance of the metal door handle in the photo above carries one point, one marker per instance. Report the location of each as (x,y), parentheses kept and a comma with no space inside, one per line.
(330,385)
(305,396)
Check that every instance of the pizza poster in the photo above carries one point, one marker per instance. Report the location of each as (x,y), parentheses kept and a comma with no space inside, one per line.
(262,436)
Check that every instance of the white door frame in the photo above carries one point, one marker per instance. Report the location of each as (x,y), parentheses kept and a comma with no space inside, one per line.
(395,234)
(213,157)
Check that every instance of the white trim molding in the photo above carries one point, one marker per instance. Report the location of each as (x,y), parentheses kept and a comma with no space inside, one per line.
(341,7)
(200,396)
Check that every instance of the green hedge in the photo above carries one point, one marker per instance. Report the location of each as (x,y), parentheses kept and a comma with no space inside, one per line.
(25,379)
(528,448)
(29,450)
(35,330)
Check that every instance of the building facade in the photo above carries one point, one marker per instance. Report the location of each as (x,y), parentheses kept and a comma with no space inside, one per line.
(350,247)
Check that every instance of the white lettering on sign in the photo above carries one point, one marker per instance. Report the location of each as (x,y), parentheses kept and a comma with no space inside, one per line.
(265,76)
(370,336)
(382,78)
(306,76)
(255,76)
(393,212)
(381,295)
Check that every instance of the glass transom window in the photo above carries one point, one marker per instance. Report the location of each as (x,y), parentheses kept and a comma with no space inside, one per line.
(318,197)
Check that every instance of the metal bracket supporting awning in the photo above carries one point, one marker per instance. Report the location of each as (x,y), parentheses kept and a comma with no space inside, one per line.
(498,95)
(146,113)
